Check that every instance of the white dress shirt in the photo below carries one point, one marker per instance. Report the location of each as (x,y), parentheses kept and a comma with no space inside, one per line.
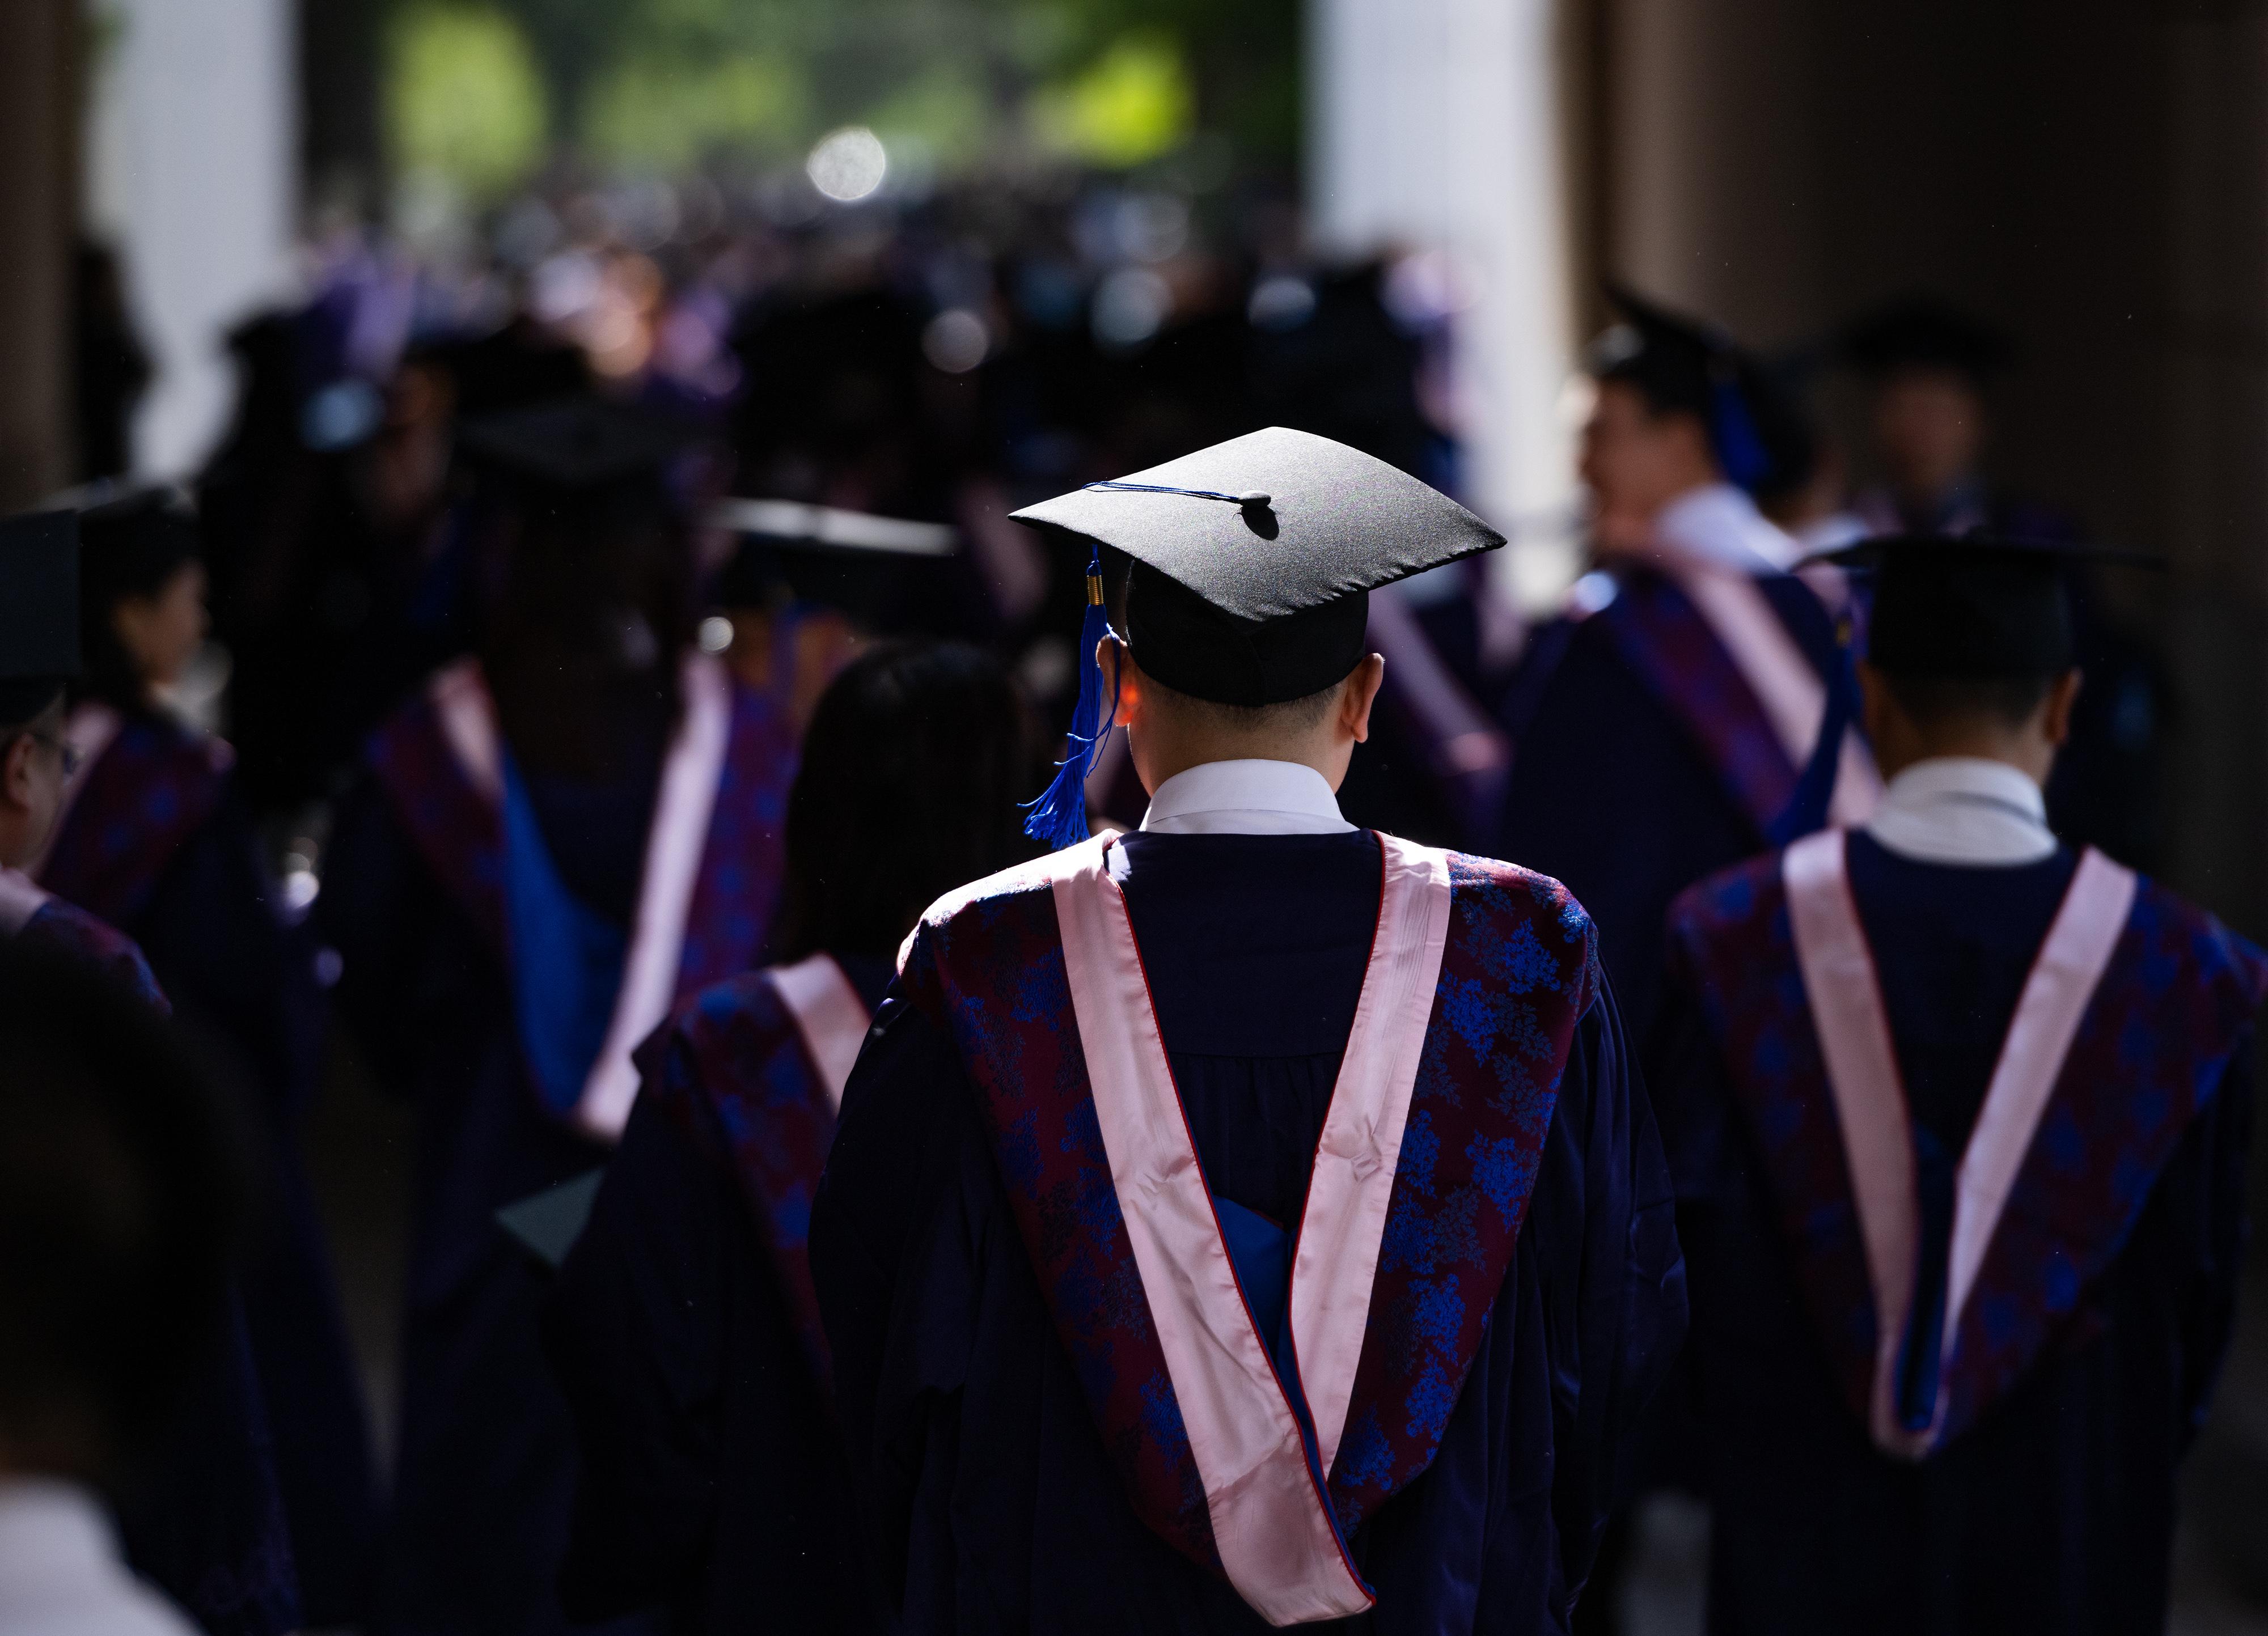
(1963,810)
(1718,523)
(1246,798)
(60,1571)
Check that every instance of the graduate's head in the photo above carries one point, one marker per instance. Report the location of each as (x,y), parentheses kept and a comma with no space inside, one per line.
(584,531)
(1677,406)
(1927,365)
(1969,650)
(141,596)
(1243,629)
(916,758)
(38,657)
(122,1194)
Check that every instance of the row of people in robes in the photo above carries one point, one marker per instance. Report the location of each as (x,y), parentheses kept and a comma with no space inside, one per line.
(455,808)
(1691,710)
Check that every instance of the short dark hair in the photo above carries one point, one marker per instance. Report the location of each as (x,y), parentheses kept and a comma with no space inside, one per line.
(130,547)
(24,699)
(916,757)
(123,1193)
(1291,714)
(1932,701)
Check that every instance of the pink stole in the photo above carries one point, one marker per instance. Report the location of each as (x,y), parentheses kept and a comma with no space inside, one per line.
(1271,1519)
(678,832)
(1793,698)
(1845,1002)
(830,1019)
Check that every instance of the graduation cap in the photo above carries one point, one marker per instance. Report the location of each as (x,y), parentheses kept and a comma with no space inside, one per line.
(1682,365)
(574,445)
(1924,332)
(849,560)
(1973,607)
(39,596)
(1253,565)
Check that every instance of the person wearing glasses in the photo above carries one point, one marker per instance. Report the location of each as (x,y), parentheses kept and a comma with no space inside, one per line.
(207,1523)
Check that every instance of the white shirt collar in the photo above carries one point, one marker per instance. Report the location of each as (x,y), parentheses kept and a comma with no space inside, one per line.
(1963,810)
(1246,798)
(1718,523)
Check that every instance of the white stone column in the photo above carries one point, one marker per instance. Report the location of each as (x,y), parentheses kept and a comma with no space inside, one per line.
(1436,124)
(191,173)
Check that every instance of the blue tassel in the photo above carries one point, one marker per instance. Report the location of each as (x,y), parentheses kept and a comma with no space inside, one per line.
(1733,433)
(1815,787)
(1059,816)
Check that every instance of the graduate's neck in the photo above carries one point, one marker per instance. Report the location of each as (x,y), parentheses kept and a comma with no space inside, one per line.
(1903,736)
(1168,734)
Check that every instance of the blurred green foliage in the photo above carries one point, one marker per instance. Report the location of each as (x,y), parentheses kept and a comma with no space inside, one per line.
(668,83)
(465,98)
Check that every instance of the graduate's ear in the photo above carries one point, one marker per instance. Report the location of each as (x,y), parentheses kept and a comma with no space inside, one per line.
(1361,693)
(1121,679)
(15,774)
(2055,708)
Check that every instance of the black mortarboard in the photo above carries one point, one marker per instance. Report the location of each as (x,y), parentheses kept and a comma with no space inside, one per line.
(574,444)
(1976,607)
(858,564)
(1685,364)
(1923,331)
(39,596)
(1253,564)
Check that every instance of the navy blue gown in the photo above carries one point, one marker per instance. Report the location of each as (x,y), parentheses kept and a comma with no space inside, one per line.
(2055,1512)
(203,1521)
(161,843)
(993,1504)
(485,1464)
(711,1481)
(1612,796)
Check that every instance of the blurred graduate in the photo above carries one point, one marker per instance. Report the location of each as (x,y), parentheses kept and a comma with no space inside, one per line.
(1959,1116)
(155,840)
(686,1334)
(553,844)
(1249,1219)
(1931,372)
(1672,717)
(206,1522)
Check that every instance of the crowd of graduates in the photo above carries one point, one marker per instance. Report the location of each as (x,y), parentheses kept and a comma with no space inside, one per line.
(625,647)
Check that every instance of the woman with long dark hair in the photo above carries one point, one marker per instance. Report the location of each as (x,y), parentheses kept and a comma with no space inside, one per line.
(156,840)
(686,1334)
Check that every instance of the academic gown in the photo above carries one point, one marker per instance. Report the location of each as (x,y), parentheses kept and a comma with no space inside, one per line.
(157,841)
(2053,1511)
(416,902)
(711,1479)
(204,1520)
(1643,762)
(997,1504)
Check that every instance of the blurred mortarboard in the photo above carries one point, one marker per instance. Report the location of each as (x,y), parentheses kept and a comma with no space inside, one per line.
(39,595)
(1926,331)
(849,560)
(1757,428)
(574,445)
(1253,564)
(1972,607)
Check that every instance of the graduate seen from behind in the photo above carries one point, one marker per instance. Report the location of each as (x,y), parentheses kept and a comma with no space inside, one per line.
(1248,1221)
(552,844)
(1958,1117)
(124,1188)
(686,1334)
(1690,708)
